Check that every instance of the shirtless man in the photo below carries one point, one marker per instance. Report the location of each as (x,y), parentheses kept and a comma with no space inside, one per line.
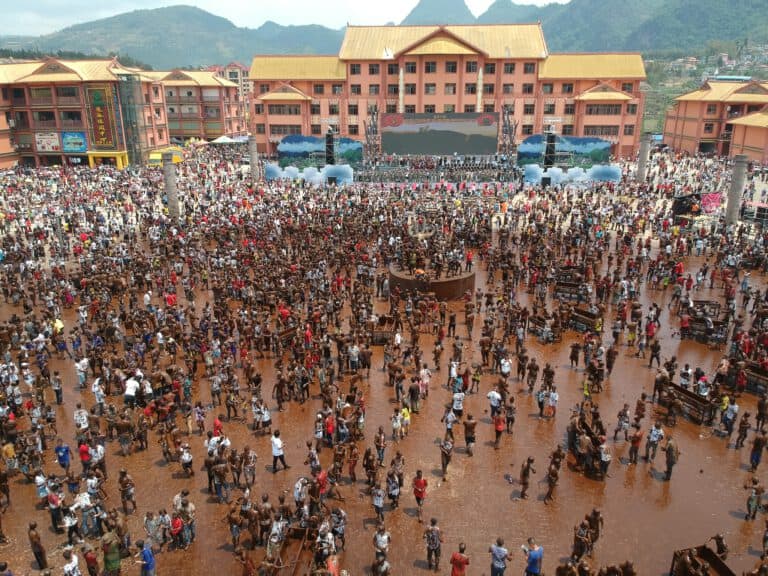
(127,490)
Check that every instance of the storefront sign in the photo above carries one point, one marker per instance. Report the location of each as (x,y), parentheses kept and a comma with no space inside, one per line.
(74,142)
(47,142)
(100,100)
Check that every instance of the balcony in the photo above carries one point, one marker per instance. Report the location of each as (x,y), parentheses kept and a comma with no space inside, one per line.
(45,124)
(193,98)
(41,101)
(71,124)
(68,100)
(18,101)
(211,97)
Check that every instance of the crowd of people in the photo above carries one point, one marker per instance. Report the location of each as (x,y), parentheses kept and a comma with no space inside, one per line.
(255,316)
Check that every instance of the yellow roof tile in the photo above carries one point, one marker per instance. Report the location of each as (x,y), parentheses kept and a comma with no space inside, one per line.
(297,68)
(605,95)
(497,41)
(283,96)
(439,46)
(592,66)
(712,91)
(756,120)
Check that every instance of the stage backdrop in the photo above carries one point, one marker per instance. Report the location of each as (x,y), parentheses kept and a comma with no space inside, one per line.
(440,134)
(303,151)
(570,150)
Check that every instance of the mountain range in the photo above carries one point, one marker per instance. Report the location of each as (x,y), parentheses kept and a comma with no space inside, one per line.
(180,36)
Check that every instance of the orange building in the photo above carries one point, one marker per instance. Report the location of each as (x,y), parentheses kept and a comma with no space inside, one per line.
(448,69)
(749,136)
(703,120)
(79,111)
(201,104)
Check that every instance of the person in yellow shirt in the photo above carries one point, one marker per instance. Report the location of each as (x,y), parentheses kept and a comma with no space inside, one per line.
(405,423)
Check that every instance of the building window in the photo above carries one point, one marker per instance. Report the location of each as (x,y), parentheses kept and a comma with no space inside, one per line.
(337,89)
(314,109)
(261,129)
(258,109)
(450,88)
(160,134)
(711,109)
(373,89)
(509,67)
(490,68)
(393,89)
(470,66)
(529,109)
(629,130)
(171,110)
(547,88)
(627,87)
(356,89)
(333,109)
(709,128)
(263,88)
(527,88)
(449,108)
(570,109)
(282,109)
(489,108)
(352,109)
(71,118)
(354,69)
(318,89)
(567,88)
(410,109)
(74,92)
(373,69)
(470,88)
(353,130)
(603,109)
(529,68)
(488,88)
(430,89)
(429,108)
(155,91)
(631,109)
(601,130)
(527,129)
(567,130)
(451,67)
(754,108)
(410,89)
(469,108)
(169,93)
(508,88)
(410,67)
(284,129)
(549,109)
(317,129)
(430,67)
(393,69)
(391,108)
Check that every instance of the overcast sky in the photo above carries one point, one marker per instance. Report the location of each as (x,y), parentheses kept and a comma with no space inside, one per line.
(34,17)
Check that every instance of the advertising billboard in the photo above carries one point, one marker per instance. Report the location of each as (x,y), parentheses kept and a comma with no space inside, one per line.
(440,134)
(47,142)
(302,151)
(74,142)
(101,110)
(569,150)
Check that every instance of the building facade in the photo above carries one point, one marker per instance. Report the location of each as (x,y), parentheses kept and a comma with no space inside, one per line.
(448,69)
(201,105)
(749,136)
(79,112)
(702,121)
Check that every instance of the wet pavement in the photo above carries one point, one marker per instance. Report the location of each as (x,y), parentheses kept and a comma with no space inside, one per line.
(646,518)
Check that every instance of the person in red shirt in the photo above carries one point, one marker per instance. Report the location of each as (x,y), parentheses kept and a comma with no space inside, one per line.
(459,561)
(218,426)
(499,425)
(85,456)
(176,527)
(420,492)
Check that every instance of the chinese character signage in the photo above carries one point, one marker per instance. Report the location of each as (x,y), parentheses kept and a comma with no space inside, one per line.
(73,142)
(100,101)
(47,142)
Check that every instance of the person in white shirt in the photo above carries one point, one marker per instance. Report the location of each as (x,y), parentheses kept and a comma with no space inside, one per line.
(458,403)
(131,387)
(495,399)
(552,401)
(278,452)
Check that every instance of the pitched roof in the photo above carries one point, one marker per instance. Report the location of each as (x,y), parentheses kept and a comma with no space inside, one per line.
(497,41)
(202,78)
(55,70)
(283,93)
(603,92)
(441,45)
(714,91)
(593,66)
(757,120)
(297,68)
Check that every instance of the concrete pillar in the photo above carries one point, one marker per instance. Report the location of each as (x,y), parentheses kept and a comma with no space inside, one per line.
(738,177)
(254,157)
(645,155)
(479,90)
(401,91)
(169,180)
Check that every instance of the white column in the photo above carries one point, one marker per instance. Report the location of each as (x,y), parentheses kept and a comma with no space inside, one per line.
(401,92)
(479,89)
(738,176)
(643,157)
(254,157)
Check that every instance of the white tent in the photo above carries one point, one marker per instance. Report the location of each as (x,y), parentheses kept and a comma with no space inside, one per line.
(223,140)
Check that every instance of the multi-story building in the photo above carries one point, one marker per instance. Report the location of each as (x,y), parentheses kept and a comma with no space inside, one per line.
(79,111)
(448,69)
(702,121)
(750,136)
(201,104)
(237,73)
